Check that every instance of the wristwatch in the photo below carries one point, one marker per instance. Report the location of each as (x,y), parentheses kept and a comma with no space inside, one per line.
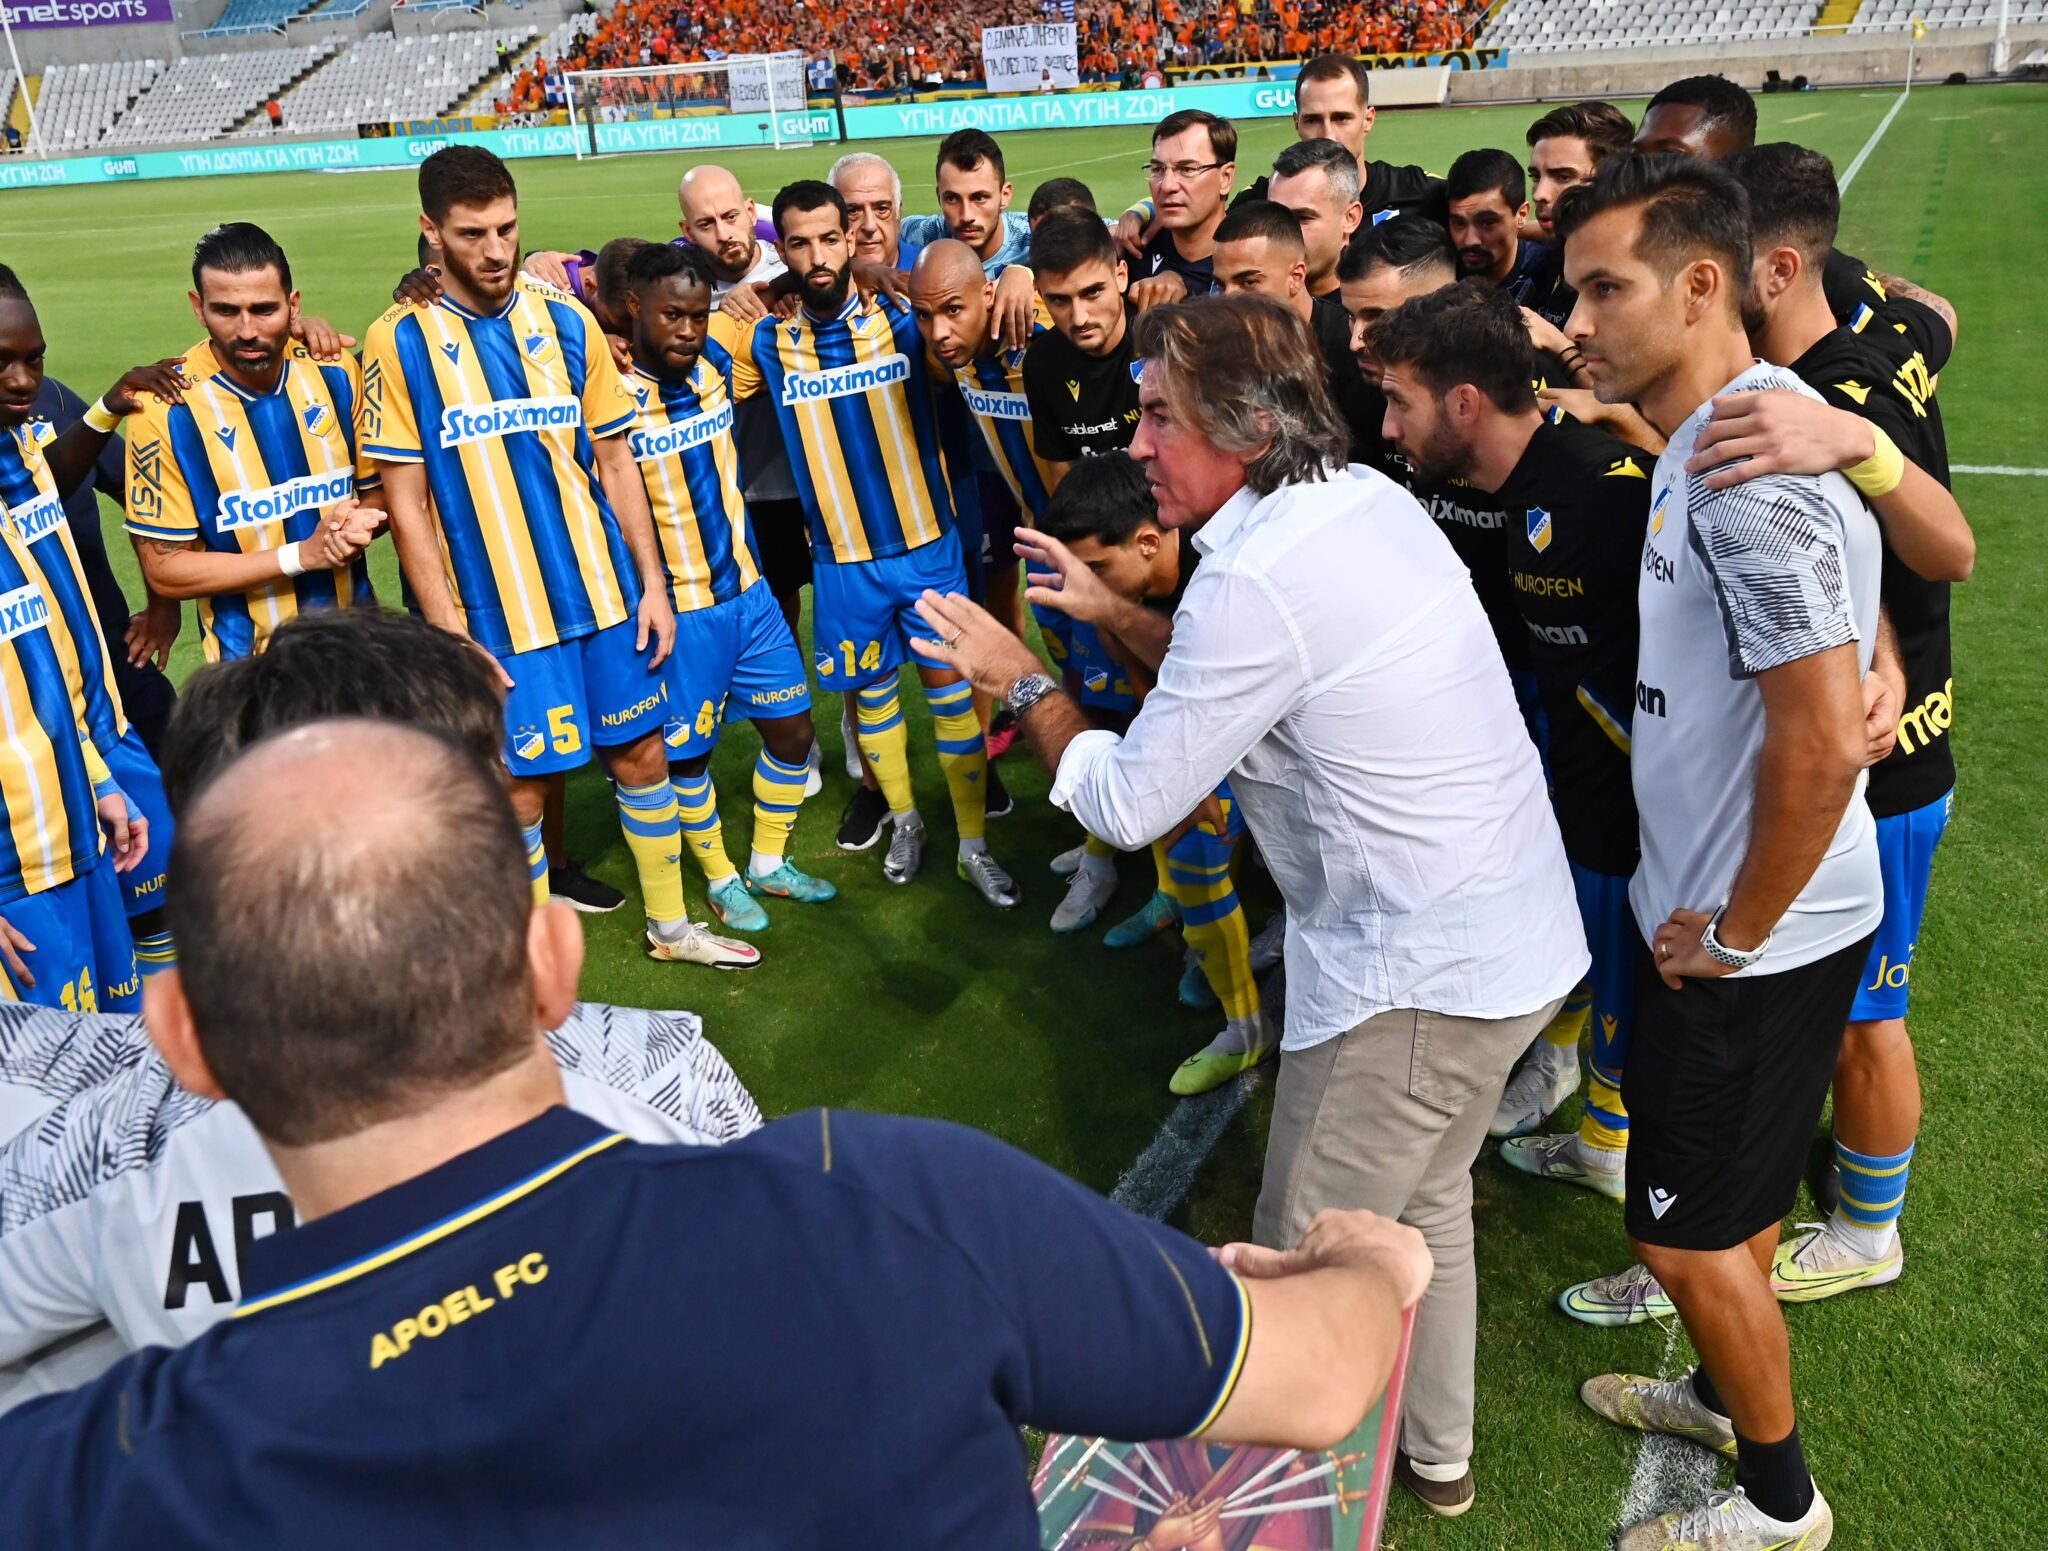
(1720,953)
(1027,692)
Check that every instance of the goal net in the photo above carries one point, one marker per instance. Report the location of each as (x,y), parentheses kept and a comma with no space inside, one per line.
(747,99)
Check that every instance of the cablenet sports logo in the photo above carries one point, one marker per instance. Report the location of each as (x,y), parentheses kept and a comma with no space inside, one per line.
(23,610)
(997,406)
(250,508)
(486,422)
(846,381)
(666,441)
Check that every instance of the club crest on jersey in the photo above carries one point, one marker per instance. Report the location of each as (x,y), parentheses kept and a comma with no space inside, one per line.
(823,662)
(675,732)
(528,744)
(1137,371)
(1538,518)
(540,348)
(1096,679)
(226,433)
(318,417)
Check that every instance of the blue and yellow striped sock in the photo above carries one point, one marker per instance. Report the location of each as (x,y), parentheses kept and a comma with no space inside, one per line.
(1212,918)
(155,953)
(697,810)
(1873,1196)
(885,742)
(778,794)
(647,814)
(963,756)
(537,862)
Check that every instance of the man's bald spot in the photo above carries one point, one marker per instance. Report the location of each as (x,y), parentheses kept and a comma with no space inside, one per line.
(945,265)
(710,186)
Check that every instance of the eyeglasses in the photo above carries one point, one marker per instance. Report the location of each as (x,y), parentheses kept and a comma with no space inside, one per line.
(1185,171)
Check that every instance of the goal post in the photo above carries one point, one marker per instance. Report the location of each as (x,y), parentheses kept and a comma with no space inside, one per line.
(746,99)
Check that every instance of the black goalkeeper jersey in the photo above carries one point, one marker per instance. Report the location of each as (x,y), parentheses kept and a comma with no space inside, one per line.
(1574,512)
(1886,373)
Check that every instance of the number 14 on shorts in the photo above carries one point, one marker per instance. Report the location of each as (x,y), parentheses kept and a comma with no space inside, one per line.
(858,658)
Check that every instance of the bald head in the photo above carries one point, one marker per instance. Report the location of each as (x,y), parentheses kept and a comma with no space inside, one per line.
(951,298)
(353,906)
(719,218)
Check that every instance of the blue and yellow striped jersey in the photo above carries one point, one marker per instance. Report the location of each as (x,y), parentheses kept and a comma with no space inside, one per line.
(503,411)
(993,386)
(28,494)
(240,471)
(690,464)
(49,833)
(855,400)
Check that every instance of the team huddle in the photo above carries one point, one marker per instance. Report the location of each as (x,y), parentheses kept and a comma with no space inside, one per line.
(608,475)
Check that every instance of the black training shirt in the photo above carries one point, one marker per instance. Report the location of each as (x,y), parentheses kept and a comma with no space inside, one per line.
(1081,405)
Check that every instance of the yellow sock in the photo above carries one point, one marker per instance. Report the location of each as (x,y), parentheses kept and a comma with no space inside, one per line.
(1605,1121)
(1566,1029)
(963,756)
(885,742)
(1095,845)
(778,793)
(1212,919)
(697,813)
(537,863)
(648,816)
(1160,880)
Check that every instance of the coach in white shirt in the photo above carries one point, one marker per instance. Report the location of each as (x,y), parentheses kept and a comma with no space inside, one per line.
(1331,659)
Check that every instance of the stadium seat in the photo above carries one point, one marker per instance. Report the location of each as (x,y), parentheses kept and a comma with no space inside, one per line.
(423,75)
(202,97)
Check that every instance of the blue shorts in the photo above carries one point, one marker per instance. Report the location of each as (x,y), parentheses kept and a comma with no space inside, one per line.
(863,612)
(1077,648)
(84,959)
(1615,942)
(1905,855)
(136,774)
(734,658)
(596,689)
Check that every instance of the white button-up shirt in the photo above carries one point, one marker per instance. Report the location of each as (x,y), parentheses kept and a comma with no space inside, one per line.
(1330,658)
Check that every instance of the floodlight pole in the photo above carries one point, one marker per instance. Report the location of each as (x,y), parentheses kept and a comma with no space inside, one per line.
(27,102)
(2001,51)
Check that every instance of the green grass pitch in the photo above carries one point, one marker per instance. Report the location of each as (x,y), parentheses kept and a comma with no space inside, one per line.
(1922,1403)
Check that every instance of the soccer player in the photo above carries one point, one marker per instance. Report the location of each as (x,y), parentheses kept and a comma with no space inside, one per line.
(1260,248)
(1059,194)
(974,204)
(497,419)
(1567,146)
(732,642)
(1889,432)
(1194,158)
(848,378)
(245,496)
(1488,202)
(38,471)
(1707,116)
(1460,407)
(1105,517)
(1759,889)
(1318,181)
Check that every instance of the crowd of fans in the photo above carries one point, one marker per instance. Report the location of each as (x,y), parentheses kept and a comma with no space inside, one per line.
(901,45)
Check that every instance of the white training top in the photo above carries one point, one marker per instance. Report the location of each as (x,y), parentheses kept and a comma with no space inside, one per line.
(1330,658)
(1736,582)
(133,1201)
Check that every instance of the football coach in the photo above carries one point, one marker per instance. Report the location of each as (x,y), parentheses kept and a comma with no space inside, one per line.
(501,1324)
(1330,657)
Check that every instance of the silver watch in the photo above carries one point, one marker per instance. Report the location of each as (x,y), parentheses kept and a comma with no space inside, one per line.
(1027,692)
(1720,953)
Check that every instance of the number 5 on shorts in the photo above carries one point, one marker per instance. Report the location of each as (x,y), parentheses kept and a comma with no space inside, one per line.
(563,733)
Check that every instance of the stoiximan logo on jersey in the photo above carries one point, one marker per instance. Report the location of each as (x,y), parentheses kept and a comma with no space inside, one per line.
(247,508)
(486,422)
(845,381)
(651,446)
(38,518)
(997,406)
(22,610)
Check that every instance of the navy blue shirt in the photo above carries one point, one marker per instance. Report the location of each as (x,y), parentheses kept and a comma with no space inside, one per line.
(825,1334)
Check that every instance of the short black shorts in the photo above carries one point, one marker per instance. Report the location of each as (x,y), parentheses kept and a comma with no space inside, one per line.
(782,540)
(1000,516)
(1724,1086)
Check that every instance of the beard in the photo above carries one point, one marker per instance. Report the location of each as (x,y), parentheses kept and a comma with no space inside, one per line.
(487,290)
(1441,457)
(831,297)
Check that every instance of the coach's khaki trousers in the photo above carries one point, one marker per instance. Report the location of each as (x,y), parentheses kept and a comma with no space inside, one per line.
(1389,1117)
